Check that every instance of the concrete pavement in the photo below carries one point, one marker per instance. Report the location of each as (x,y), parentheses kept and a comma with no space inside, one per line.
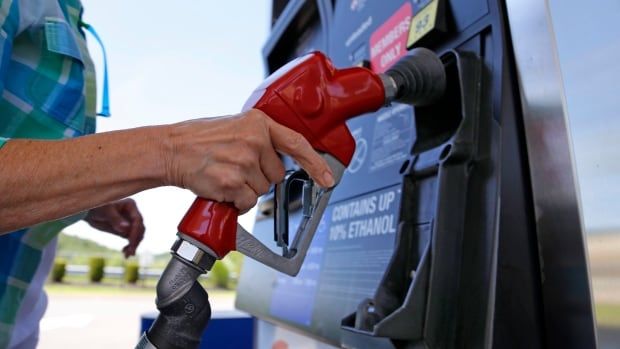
(102,321)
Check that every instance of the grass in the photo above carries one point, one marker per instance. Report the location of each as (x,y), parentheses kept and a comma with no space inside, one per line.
(79,284)
(77,251)
(103,290)
(608,314)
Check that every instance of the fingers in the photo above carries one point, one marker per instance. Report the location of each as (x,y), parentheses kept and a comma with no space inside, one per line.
(258,183)
(234,159)
(234,186)
(294,144)
(121,218)
(101,225)
(271,165)
(247,163)
(110,217)
(135,236)
(130,212)
(245,199)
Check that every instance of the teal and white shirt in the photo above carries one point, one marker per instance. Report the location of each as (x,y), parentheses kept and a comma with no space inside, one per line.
(48,91)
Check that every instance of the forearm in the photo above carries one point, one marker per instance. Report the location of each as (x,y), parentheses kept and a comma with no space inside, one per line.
(229,159)
(46,180)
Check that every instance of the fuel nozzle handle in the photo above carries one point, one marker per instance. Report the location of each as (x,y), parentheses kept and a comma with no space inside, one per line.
(312,97)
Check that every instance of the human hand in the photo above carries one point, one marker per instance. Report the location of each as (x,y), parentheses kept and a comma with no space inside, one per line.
(120,218)
(234,159)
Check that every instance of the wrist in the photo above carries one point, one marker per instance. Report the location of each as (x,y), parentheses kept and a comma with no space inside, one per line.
(165,153)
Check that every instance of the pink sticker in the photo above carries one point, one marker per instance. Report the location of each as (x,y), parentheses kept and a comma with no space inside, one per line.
(389,42)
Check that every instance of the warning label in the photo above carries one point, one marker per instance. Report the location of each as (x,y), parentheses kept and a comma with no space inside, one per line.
(389,42)
(371,215)
(392,137)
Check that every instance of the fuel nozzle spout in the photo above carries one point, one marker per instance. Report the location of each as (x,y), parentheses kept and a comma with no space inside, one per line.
(418,79)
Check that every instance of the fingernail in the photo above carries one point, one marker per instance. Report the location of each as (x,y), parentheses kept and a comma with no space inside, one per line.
(124,224)
(328,179)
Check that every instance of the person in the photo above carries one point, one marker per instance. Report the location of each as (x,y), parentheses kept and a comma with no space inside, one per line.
(54,170)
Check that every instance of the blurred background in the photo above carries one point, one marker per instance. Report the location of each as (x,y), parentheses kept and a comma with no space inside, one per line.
(168,62)
(588,41)
(202,59)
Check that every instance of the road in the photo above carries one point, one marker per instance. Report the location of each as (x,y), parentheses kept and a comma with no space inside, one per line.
(102,321)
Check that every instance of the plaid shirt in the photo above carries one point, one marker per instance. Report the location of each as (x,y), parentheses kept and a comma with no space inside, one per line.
(48,92)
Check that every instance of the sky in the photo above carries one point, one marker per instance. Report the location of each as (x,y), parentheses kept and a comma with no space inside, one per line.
(168,64)
(203,58)
(588,39)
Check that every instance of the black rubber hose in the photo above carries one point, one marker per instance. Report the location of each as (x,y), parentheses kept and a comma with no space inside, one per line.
(420,78)
(184,309)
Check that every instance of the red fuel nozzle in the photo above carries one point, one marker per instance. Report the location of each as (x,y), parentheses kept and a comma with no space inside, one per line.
(311,97)
(315,99)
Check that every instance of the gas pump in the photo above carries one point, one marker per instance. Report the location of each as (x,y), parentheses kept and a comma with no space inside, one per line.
(431,239)
(312,97)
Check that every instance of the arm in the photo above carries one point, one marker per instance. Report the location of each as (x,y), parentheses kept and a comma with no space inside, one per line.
(45,180)
(229,159)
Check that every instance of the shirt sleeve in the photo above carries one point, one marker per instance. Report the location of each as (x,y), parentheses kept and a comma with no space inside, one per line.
(9,25)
